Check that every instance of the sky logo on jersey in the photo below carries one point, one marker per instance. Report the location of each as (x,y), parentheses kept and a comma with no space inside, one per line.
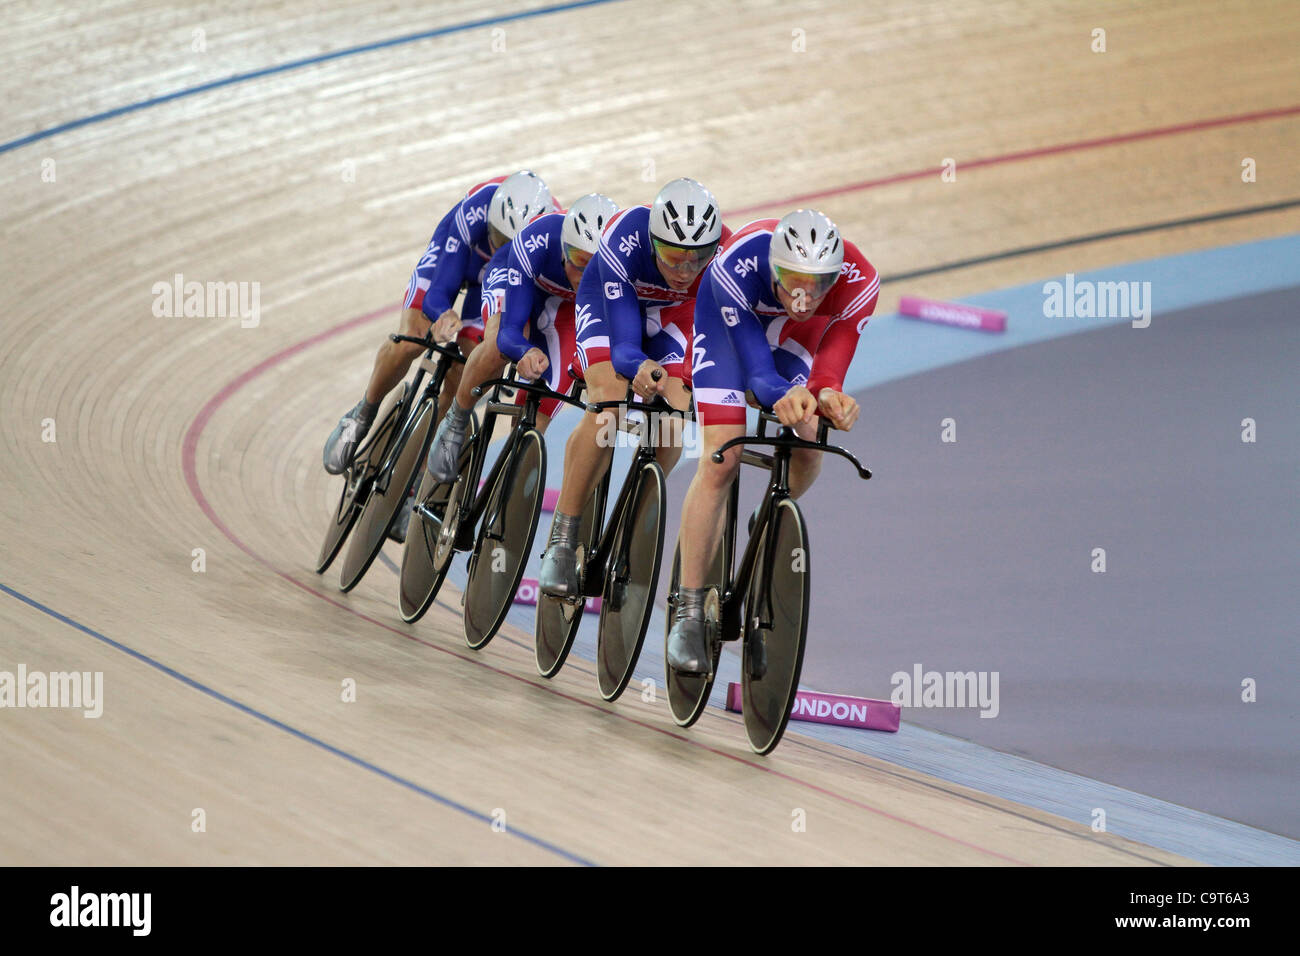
(851,273)
(744,267)
(628,243)
(538,241)
(475,214)
(613,290)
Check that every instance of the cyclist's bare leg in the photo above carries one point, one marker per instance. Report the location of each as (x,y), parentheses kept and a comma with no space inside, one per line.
(705,509)
(394,358)
(585,461)
(805,465)
(669,439)
(485,363)
(452,380)
(586,457)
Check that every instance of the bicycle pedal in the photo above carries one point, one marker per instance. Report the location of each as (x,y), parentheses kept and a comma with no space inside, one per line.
(569,607)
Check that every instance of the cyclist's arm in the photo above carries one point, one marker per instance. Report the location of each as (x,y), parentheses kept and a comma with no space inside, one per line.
(447,279)
(624,320)
(833,356)
(519,298)
(746,333)
(852,302)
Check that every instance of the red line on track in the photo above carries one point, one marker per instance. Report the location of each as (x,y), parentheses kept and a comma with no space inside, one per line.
(1073,147)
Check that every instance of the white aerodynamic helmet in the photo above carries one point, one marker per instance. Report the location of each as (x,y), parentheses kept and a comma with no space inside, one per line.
(685,214)
(806,253)
(584,222)
(519,198)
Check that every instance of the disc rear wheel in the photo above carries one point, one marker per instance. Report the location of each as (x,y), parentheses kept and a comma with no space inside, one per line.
(356,486)
(424,561)
(387,495)
(558,621)
(504,540)
(688,694)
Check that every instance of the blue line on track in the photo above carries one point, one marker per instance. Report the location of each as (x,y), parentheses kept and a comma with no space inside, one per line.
(294,65)
(301,735)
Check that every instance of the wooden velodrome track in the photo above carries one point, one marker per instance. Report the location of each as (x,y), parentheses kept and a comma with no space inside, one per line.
(175,434)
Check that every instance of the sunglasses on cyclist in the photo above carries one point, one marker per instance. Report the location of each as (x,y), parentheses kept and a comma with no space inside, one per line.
(805,286)
(680,258)
(578,258)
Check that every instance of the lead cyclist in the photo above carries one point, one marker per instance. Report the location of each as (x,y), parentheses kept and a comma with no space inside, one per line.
(778,315)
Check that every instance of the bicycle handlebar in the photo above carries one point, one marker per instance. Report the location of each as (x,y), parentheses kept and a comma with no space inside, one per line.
(786,438)
(657,404)
(449,351)
(542,391)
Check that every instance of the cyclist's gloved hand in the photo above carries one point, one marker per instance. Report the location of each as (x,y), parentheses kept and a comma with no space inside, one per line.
(533,365)
(796,406)
(645,383)
(841,409)
(447,327)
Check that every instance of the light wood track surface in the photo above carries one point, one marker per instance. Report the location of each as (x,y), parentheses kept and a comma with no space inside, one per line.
(246,183)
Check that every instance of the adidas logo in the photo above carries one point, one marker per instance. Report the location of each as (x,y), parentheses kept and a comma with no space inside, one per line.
(733,399)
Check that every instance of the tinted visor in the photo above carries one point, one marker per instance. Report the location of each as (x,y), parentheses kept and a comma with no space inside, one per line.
(682,259)
(496,237)
(806,286)
(578,258)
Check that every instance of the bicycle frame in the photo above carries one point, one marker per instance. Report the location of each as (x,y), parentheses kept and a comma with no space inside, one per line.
(526,418)
(597,565)
(446,356)
(784,444)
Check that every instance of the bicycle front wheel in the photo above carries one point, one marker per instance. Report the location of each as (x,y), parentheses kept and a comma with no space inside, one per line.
(776,627)
(630,583)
